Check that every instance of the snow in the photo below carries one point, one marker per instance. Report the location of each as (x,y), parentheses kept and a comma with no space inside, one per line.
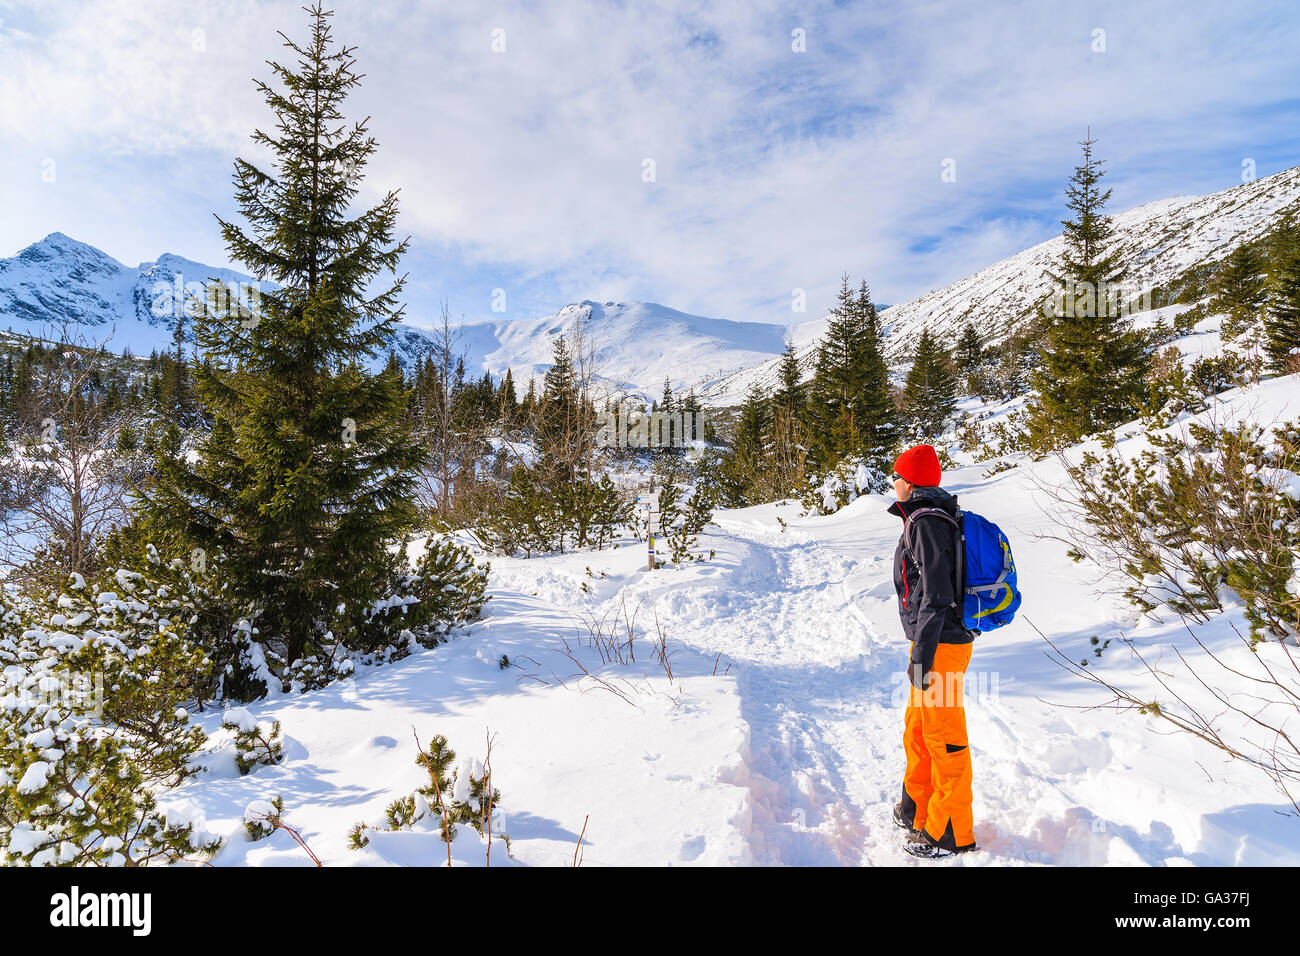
(257,810)
(647,769)
(36,776)
(638,345)
(24,838)
(777,739)
(239,718)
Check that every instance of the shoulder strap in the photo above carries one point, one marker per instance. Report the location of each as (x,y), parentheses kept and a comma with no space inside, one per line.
(959,544)
(907,520)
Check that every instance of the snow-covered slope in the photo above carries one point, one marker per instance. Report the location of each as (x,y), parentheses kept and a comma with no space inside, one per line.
(1157,242)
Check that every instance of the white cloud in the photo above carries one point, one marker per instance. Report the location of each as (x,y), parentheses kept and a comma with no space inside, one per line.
(774,169)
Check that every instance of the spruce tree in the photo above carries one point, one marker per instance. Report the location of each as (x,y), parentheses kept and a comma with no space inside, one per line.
(668,404)
(529,403)
(306,480)
(394,367)
(787,442)
(789,396)
(1282,321)
(834,428)
(507,401)
(876,413)
(969,356)
(850,407)
(1093,364)
(743,466)
(930,393)
(175,379)
(561,415)
(867,311)
(691,406)
(1240,289)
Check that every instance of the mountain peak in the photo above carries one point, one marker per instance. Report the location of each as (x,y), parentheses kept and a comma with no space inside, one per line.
(57,243)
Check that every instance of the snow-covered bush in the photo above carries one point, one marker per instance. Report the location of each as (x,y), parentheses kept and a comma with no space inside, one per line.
(450,589)
(93,726)
(852,478)
(1174,389)
(261,817)
(683,515)
(1210,509)
(451,797)
(256,744)
(445,588)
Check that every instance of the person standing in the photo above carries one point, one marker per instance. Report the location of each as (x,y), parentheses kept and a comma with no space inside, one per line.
(935,808)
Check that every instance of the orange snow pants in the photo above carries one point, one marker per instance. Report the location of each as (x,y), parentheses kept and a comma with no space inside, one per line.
(937,786)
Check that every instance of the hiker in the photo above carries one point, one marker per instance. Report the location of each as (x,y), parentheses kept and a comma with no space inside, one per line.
(936,804)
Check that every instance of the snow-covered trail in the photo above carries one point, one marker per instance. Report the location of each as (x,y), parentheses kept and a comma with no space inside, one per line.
(806,615)
(819,678)
(778,737)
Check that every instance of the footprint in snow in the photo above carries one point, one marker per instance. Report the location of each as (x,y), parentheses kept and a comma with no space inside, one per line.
(692,847)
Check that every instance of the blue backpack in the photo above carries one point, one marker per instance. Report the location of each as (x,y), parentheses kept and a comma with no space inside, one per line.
(986,572)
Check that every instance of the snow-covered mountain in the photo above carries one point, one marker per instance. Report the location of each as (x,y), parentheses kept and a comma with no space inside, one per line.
(637,345)
(1157,242)
(60,282)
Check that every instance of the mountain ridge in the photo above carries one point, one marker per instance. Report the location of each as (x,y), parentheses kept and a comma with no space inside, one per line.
(639,344)
(1157,241)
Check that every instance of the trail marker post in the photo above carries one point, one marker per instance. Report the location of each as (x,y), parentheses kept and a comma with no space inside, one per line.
(652,525)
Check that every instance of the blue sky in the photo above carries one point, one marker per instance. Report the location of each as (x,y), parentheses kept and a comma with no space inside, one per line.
(775,170)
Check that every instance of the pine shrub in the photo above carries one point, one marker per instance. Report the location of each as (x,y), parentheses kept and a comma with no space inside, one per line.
(262,816)
(683,515)
(827,492)
(256,744)
(1200,514)
(94,726)
(451,796)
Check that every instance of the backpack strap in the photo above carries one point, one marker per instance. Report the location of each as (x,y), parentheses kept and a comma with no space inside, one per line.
(1001,578)
(960,543)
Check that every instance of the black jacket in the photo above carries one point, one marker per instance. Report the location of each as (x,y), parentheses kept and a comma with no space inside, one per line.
(925,577)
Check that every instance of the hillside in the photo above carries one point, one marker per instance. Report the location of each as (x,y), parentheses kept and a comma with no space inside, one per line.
(1158,243)
(776,738)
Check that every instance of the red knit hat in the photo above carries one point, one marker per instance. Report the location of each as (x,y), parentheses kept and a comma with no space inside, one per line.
(920,466)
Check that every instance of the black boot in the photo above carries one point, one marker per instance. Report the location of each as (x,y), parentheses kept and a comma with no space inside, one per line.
(900,820)
(921,845)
